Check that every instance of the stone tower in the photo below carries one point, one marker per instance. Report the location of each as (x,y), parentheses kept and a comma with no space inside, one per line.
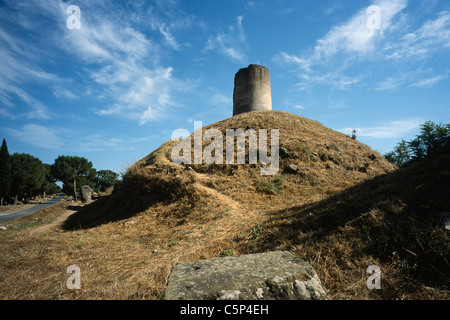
(252,90)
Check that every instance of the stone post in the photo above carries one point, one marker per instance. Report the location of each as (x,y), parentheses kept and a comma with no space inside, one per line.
(86,194)
(252,90)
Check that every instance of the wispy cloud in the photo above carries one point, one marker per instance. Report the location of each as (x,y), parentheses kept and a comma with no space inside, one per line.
(37,136)
(112,51)
(428,82)
(335,6)
(17,69)
(249,5)
(128,67)
(36,110)
(416,78)
(419,44)
(66,140)
(169,38)
(221,99)
(333,59)
(390,130)
(63,93)
(230,43)
(354,36)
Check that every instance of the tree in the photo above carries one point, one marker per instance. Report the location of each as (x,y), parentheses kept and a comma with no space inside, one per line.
(28,175)
(49,186)
(429,132)
(5,172)
(70,169)
(401,154)
(105,179)
(408,151)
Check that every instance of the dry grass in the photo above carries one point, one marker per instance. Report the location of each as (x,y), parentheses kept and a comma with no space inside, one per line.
(345,210)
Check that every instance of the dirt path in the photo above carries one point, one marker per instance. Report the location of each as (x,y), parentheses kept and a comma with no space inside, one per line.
(58,221)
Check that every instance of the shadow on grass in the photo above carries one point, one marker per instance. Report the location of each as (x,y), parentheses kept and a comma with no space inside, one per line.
(397,212)
(105,209)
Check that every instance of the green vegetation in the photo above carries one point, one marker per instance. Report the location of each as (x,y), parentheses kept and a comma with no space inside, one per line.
(407,152)
(227,253)
(271,186)
(284,152)
(27,174)
(324,156)
(70,169)
(23,176)
(104,179)
(5,172)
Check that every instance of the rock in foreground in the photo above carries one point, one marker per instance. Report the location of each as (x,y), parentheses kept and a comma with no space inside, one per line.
(276,275)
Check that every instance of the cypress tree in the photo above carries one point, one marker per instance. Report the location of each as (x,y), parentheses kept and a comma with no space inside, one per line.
(5,172)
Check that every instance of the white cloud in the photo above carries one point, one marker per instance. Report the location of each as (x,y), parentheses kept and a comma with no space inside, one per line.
(391,83)
(333,59)
(129,70)
(37,135)
(249,5)
(146,99)
(63,93)
(19,68)
(99,142)
(354,36)
(301,63)
(232,43)
(428,82)
(170,39)
(221,99)
(419,44)
(392,129)
(335,53)
(334,7)
(69,140)
(417,78)
(115,52)
(328,61)
(37,110)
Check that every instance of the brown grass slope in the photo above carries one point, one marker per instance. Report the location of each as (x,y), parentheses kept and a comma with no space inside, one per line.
(329,162)
(345,209)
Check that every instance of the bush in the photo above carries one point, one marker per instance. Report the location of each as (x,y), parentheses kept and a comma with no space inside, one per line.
(407,152)
(272,186)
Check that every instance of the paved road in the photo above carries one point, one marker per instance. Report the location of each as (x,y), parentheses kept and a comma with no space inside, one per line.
(37,207)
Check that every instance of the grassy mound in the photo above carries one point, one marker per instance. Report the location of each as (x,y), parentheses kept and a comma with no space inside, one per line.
(393,221)
(326,162)
(334,202)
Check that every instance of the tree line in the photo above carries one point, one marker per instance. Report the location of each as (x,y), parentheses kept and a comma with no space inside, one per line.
(407,152)
(23,176)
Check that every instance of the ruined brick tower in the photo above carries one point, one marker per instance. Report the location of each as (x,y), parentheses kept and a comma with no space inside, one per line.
(252,90)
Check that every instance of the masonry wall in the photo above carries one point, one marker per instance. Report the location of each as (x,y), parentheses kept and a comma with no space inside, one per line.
(252,90)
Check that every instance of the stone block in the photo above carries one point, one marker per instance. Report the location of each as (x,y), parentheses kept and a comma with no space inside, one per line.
(276,275)
(86,194)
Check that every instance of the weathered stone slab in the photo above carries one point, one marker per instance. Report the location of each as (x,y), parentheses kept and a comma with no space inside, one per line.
(86,194)
(276,275)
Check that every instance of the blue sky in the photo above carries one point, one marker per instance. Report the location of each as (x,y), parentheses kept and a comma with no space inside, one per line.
(116,88)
